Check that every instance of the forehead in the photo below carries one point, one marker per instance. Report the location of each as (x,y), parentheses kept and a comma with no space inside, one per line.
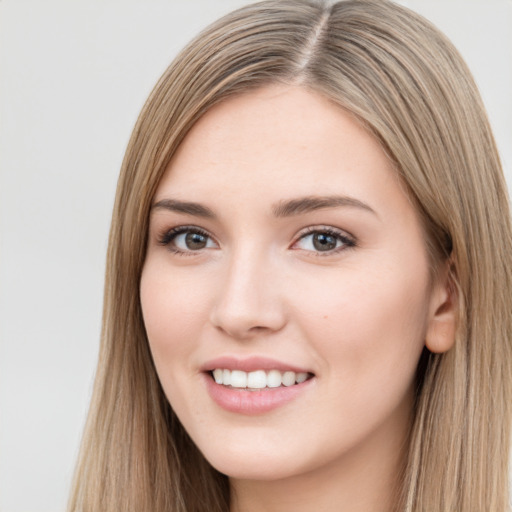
(275,143)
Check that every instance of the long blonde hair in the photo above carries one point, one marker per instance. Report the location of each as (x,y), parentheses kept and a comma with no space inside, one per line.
(408,85)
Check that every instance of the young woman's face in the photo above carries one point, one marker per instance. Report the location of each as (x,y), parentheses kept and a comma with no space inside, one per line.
(286,262)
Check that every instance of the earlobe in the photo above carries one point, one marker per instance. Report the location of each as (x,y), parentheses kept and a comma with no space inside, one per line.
(440,336)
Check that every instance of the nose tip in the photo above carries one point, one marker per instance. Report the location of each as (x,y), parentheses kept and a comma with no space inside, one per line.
(241,319)
(248,305)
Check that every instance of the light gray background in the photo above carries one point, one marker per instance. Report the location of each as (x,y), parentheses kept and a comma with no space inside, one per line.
(74,74)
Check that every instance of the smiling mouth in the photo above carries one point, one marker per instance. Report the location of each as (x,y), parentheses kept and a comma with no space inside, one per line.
(258,379)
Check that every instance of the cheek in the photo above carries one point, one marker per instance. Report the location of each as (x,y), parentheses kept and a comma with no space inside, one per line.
(173,310)
(370,322)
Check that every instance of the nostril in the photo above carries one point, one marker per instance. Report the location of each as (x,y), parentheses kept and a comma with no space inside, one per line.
(241,330)
(247,305)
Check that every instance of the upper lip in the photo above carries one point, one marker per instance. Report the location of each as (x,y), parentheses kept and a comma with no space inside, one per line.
(250,364)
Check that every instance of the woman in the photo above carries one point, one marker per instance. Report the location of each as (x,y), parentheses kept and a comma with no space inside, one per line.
(307,297)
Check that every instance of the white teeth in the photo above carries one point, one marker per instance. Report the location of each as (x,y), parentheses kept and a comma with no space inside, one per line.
(274,379)
(217,375)
(258,379)
(301,377)
(288,378)
(238,379)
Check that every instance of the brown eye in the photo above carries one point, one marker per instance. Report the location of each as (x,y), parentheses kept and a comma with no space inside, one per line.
(186,239)
(324,241)
(195,241)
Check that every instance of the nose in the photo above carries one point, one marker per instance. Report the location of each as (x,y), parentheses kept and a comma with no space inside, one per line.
(250,299)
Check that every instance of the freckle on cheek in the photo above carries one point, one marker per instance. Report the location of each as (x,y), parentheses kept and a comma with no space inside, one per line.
(326,317)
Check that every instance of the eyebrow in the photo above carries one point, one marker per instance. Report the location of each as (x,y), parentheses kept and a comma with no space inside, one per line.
(285,208)
(190,208)
(311,203)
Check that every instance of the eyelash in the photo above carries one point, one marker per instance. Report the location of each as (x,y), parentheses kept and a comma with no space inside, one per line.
(347,241)
(167,237)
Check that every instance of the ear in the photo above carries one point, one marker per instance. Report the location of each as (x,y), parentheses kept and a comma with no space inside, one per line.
(442,321)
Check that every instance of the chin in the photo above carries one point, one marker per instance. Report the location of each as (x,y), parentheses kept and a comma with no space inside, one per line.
(255,466)
(259,471)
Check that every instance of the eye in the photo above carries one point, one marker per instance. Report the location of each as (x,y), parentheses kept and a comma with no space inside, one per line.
(187,239)
(324,240)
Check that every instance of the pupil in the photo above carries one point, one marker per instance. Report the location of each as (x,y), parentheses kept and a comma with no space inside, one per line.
(324,242)
(195,241)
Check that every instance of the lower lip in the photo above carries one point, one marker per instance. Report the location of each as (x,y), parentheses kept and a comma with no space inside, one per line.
(247,402)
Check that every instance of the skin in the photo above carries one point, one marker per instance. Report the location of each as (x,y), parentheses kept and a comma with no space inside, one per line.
(357,317)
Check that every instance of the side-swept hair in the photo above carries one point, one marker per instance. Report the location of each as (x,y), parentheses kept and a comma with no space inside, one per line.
(408,85)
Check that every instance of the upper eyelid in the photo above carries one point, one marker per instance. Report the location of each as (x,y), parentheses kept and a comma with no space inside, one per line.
(184,228)
(325,228)
(348,241)
(178,230)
